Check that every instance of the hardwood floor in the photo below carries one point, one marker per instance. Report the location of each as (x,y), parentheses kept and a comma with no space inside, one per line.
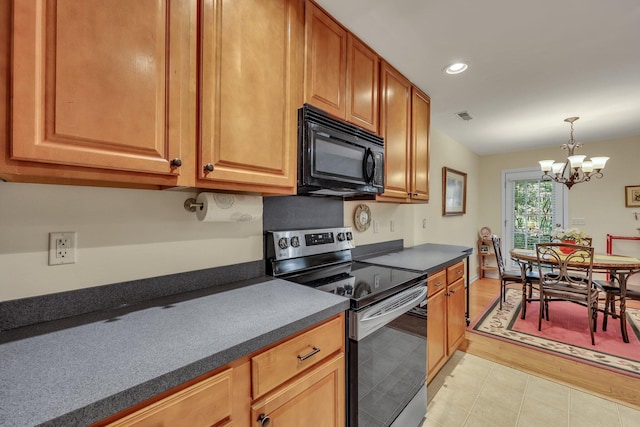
(610,385)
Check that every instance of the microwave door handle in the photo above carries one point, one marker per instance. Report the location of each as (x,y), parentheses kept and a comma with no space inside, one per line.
(368,177)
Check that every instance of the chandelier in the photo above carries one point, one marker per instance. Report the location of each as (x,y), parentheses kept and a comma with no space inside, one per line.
(575,169)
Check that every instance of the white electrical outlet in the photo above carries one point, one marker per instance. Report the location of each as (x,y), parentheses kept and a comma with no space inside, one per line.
(376,226)
(424,223)
(392,226)
(62,248)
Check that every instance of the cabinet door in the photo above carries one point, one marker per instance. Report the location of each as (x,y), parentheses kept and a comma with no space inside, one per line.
(436,332)
(251,87)
(363,81)
(315,399)
(420,117)
(456,320)
(101,84)
(326,62)
(395,127)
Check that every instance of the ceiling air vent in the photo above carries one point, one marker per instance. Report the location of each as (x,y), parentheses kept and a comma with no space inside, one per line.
(464,115)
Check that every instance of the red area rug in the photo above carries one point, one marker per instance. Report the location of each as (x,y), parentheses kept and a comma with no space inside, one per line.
(565,334)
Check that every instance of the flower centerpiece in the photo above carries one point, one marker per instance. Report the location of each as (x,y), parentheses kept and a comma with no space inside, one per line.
(570,235)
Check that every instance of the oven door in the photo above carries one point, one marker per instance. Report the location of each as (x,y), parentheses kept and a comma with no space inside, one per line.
(388,361)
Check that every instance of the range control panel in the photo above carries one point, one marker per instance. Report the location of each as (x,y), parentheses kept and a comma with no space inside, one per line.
(299,243)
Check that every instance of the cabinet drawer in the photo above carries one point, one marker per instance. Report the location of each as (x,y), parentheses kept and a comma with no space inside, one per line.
(436,282)
(284,361)
(203,404)
(455,272)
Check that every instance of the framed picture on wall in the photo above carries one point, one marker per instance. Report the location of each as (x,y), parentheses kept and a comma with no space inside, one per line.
(632,196)
(454,192)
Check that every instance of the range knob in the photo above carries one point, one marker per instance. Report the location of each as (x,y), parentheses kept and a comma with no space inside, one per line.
(341,237)
(283,243)
(349,235)
(295,241)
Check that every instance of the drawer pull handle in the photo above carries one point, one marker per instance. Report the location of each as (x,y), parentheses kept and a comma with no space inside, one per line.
(459,272)
(306,356)
(439,284)
(264,420)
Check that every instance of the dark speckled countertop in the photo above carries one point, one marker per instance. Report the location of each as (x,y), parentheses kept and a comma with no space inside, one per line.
(79,371)
(426,258)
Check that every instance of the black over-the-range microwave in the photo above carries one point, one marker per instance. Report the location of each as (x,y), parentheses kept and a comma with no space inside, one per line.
(336,158)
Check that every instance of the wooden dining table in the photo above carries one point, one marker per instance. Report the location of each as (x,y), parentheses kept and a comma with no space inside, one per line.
(618,266)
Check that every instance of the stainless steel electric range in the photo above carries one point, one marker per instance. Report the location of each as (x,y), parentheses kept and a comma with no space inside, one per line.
(387,322)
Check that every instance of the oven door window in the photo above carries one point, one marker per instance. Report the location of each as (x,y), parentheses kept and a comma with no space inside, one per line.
(334,158)
(391,368)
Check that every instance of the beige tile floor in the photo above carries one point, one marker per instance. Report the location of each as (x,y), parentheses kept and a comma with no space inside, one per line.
(473,392)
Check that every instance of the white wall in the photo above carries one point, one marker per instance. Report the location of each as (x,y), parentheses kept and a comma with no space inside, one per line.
(132,234)
(456,230)
(122,235)
(600,202)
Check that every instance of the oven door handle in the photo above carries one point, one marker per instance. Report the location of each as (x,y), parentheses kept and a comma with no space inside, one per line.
(399,306)
(364,324)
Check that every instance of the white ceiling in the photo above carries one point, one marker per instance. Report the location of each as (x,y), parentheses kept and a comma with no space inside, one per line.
(532,64)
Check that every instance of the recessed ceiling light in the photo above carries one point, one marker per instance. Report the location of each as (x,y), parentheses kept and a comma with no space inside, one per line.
(456,68)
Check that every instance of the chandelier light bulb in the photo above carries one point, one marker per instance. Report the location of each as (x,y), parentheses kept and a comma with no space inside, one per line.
(557,167)
(587,166)
(545,165)
(576,161)
(599,162)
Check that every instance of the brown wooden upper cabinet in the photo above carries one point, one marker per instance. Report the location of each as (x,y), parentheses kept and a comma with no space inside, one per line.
(107,91)
(404,124)
(341,72)
(101,85)
(251,88)
(420,125)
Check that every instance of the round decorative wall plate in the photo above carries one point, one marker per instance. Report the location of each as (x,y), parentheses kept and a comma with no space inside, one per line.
(362,217)
(485,232)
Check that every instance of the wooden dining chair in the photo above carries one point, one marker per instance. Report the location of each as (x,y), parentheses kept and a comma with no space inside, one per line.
(508,277)
(612,291)
(570,280)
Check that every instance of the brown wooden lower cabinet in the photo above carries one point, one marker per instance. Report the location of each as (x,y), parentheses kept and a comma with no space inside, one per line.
(316,399)
(436,333)
(446,323)
(456,320)
(297,381)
